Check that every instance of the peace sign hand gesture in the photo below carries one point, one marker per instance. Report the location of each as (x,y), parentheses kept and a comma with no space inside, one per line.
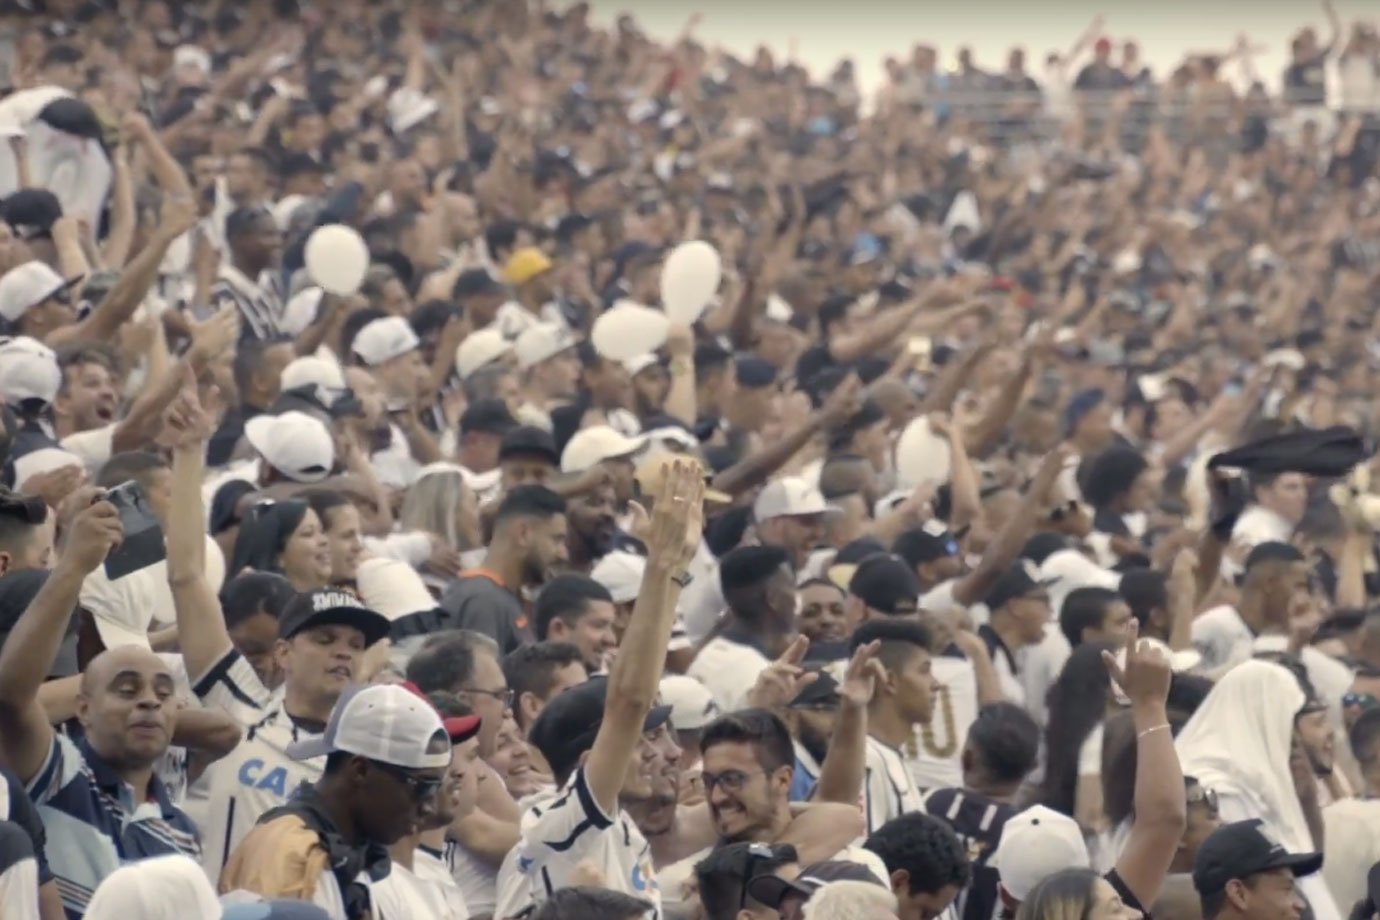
(784,678)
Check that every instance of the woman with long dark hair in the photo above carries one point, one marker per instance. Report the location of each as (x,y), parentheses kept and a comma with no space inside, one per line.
(1078,705)
(284,537)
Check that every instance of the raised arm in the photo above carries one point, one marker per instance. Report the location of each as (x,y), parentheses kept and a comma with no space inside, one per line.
(32,646)
(674,534)
(842,773)
(200,622)
(1161,808)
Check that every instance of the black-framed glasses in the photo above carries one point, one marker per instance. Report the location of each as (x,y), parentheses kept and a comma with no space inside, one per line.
(505,696)
(1363,700)
(420,786)
(728,780)
(1195,793)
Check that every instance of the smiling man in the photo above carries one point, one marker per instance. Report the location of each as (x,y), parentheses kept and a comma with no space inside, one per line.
(322,636)
(100,797)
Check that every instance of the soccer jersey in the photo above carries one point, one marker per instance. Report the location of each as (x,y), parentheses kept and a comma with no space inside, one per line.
(888,790)
(561,832)
(258,774)
(417,892)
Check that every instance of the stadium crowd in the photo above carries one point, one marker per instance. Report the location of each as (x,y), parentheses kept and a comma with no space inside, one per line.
(381,535)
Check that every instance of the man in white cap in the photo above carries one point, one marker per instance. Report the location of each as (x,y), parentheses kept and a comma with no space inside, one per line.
(293,447)
(387,752)
(480,349)
(550,371)
(790,514)
(389,348)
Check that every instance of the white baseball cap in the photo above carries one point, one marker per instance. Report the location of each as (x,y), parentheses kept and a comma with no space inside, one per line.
(541,341)
(43,460)
(311,371)
(791,496)
(592,446)
(26,286)
(384,339)
(480,348)
(28,370)
(295,444)
(382,722)
(392,587)
(621,574)
(692,705)
(639,364)
(1035,844)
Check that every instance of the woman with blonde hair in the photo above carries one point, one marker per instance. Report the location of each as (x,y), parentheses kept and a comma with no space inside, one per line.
(440,503)
(1075,894)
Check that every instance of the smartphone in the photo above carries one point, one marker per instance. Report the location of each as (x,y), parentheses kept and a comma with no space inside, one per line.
(143,544)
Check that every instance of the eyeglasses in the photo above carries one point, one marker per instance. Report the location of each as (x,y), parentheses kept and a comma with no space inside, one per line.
(1196,793)
(1363,700)
(421,787)
(729,780)
(503,696)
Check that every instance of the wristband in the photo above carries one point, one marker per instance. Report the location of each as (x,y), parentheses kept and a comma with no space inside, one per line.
(1151,730)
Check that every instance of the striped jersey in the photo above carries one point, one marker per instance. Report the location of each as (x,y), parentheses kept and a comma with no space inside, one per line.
(258,774)
(259,301)
(888,790)
(95,822)
(978,821)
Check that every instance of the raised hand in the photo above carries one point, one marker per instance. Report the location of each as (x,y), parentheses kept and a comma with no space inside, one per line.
(860,680)
(1144,677)
(212,338)
(93,532)
(844,402)
(53,486)
(784,678)
(677,520)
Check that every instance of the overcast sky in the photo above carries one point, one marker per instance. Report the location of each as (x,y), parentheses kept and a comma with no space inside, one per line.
(868,30)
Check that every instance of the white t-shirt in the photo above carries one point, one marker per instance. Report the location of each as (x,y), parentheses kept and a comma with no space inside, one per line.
(405,894)
(1221,637)
(1040,665)
(955,711)
(476,879)
(729,669)
(560,833)
(1260,525)
(258,774)
(1353,846)
(702,601)
(888,790)
(142,600)
(94,447)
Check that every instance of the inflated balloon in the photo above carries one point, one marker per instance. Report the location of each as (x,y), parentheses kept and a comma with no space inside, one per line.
(689,280)
(337,258)
(921,455)
(629,329)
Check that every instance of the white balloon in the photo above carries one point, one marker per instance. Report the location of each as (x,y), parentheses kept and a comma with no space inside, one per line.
(689,279)
(337,258)
(921,455)
(629,329)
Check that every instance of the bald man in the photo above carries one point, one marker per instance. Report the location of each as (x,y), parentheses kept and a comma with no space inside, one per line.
(99,797)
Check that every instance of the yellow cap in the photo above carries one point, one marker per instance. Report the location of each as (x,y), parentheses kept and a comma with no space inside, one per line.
(526,264)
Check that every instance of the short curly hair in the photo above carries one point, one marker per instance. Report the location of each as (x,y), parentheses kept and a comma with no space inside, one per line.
(926,848)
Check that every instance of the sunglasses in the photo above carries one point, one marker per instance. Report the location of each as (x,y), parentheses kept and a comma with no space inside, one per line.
(1196,793)
(1363,700)
(422,788)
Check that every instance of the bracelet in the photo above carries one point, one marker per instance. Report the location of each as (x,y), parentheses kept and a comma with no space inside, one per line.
(1150,730)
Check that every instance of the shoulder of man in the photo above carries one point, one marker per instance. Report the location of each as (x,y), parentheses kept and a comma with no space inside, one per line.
(280,858)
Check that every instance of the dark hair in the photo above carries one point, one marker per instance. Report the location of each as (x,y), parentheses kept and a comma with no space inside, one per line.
(249,355)
(446,660)
(1077,703)
(501,234)
(1063,886)
(926,848)
(531,669)
(764,730)
(432,316)
(1084,608)
(264,534)
(529,501)
(1110,475)
(1007,741)
(723,875)
(1144,590)
(100,353)
(323,500)
(134,464)
(1364,735)
(251,593)
(567,597)
(583,903)
(242,221)
(899,638)
(449,705)
(19,515)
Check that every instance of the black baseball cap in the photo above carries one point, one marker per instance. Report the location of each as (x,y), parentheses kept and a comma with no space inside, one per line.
(568,725)
(926,544)
(1242,849)
(488,415)
(474,282)
(31,212)
(1020,579)
(772,890)
(527,441)
(820,693)
(886,583)
(331,607)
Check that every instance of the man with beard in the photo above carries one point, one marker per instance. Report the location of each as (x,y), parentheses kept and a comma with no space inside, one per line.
(811,717)
(593,527)
(596,739)
(528,545)
(100,798)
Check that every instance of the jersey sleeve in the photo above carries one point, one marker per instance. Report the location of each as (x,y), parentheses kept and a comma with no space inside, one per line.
(233,685)
(876,793)
(564,826)
(62,768)
(23,814)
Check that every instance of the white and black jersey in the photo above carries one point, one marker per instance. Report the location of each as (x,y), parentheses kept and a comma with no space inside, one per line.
(888,789)
(978,821)
(258,774)
(259,301)
(564,830)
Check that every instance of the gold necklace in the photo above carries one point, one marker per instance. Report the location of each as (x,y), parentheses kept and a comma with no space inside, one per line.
(946,709)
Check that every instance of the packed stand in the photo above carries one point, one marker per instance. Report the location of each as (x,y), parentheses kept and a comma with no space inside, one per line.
(461,462)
